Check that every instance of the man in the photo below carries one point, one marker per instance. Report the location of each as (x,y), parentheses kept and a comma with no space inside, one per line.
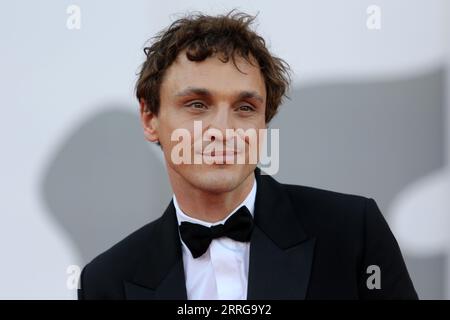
(231,232)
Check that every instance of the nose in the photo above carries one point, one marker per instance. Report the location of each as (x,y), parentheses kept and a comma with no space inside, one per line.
(218,123)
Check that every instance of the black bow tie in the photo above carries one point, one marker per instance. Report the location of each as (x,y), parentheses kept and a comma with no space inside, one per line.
(198,238)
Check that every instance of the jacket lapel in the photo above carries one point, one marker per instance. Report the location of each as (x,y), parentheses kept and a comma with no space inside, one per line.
(281,253)
(160,273)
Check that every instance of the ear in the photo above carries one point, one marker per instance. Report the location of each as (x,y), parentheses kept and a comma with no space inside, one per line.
(149,122)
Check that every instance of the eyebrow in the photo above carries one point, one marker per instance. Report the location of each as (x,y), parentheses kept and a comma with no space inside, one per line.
(207,94)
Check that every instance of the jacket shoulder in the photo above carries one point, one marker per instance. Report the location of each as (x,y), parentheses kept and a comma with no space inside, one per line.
(312,197)
(327,210)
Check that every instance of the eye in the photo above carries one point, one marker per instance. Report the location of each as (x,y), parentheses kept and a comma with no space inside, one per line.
(246,108)
(196,105)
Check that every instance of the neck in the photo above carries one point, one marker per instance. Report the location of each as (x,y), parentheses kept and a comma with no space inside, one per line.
(206,205)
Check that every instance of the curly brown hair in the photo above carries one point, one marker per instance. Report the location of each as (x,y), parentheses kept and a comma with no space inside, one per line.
(202,36)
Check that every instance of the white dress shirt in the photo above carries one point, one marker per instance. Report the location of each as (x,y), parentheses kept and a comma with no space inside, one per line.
(222,271)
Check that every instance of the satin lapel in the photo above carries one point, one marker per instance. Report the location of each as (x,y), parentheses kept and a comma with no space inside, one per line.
(160,273)
(281,253)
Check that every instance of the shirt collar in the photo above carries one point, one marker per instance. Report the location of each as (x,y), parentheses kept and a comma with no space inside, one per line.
(249,202)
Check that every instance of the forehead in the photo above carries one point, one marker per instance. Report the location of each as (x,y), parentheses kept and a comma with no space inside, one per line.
(214,74)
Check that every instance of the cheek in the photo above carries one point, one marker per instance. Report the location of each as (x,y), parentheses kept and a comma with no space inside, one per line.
(182,133)
(167,125)
(255,124)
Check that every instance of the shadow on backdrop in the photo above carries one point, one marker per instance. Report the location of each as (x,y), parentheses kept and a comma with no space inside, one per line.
(105,182)
(372,138)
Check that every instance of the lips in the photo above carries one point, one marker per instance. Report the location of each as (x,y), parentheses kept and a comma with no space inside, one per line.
(222,157)
(224,153)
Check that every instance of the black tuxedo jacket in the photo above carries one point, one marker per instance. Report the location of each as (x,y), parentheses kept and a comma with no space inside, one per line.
(307,243)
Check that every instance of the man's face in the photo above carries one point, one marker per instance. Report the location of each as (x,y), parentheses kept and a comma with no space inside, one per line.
(221,97)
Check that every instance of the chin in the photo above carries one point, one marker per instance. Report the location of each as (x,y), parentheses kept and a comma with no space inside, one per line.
(217,178)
